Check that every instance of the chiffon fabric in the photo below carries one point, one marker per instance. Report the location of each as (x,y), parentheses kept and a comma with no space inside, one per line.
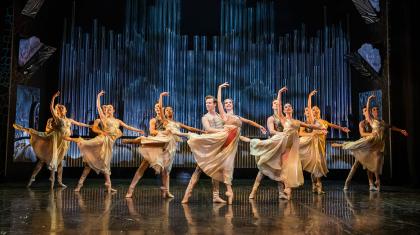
(369,150)
(215,153)
(312,151)
(269,155)
(159,150)
(97,152)
(50,147)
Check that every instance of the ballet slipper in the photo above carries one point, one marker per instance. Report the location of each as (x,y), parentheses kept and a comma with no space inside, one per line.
(230,197)
(130,192)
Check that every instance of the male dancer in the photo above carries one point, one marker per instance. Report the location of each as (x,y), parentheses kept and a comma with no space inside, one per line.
(212,122)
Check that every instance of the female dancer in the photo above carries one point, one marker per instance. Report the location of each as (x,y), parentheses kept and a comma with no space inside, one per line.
(364,130)
(51,146)
(278,157)
(97,152)
(158,151)
(312,145)
(215,152)
(274,127)
(369,150)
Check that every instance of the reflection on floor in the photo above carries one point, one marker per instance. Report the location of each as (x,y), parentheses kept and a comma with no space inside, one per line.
(41,211)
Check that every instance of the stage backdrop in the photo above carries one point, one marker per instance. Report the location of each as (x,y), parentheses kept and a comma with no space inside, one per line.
(151,56)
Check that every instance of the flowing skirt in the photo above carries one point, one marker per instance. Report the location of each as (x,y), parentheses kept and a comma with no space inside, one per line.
(97,153)
(312,155)
(368,151)
(158,151)
(271,162)
(49,147)
(215,153)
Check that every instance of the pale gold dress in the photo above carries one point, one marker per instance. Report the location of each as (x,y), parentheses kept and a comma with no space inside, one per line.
(160,150)
(50,147)
(312,151)
(369,150)
(97,152)
(268,155)
(215,153)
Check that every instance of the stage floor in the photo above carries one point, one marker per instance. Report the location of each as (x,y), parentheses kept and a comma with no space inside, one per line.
(41,211)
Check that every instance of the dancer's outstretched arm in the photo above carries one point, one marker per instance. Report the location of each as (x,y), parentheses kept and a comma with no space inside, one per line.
(52,108)
(252,123)
(219,101)
(343,129)
(312,126)
(402,131)
(79,123)
(130,127)
(189,128)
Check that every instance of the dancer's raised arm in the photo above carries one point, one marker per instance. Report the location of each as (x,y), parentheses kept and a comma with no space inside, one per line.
(279,109)
(311,114)
(102,115)
(52,108)
(368,117)
(161,114)
(219,101)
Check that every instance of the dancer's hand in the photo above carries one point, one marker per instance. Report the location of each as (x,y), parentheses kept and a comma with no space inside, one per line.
(263,130)
(164,93)
(404,133)
(313,93)
(224,85)
(141,132)
(371,97)
(282,90)
(345,129)
(57,94)
(101,93)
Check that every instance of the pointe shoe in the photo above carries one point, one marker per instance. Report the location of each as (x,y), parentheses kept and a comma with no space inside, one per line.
(230,197)
(252,194)
(79,186)
(60,184)
(378,186)
(346,186)
(314,188)
(31,180)
(319,189)
(109,188)
(52,181)
(130,192)
(283,196)
(217,198)
(372,188)
(166,193)
(288,193)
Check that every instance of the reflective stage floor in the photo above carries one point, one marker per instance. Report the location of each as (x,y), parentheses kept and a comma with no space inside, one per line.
(93,211)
